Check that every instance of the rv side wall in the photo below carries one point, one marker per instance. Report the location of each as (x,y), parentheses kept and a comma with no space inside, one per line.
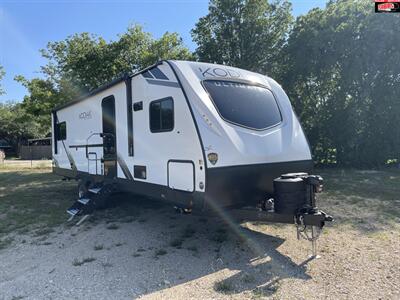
(167,160)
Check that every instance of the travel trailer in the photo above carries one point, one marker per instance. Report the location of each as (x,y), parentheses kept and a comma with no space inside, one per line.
(204,137)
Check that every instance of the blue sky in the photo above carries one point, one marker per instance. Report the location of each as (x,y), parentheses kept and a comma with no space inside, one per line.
(27,25)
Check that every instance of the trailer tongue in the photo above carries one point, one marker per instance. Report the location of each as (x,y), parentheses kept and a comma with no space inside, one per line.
(294,202)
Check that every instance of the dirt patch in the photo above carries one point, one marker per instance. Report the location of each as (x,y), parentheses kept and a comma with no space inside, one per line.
(171,256)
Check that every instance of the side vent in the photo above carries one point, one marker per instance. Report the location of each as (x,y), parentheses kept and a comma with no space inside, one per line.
(138,106)
(140,172)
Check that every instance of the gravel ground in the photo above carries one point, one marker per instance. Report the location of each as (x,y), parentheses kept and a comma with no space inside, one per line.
(161,255)
(142,249)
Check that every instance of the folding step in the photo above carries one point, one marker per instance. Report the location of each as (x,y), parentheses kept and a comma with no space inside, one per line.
(73,211)
(95,190)
(84,201)
(79,206)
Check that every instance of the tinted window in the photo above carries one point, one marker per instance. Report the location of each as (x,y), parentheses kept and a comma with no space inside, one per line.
(61,131)
(244,104)
(162,115)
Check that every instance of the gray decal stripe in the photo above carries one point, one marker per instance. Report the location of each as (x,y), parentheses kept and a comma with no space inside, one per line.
(71,159)
(124,168)
(164,83)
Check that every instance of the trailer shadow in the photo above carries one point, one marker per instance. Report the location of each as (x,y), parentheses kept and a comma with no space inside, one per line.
(208,245)
(262,274)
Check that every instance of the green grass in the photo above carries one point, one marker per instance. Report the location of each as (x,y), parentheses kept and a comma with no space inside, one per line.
(76,262)
(160,252)
(4,243)
(188,232)
(193,249)
(112,227)
(43,231)
(106,264)
(365,200)
(177,243)
(220,236)
(33,201)
(98,247)
(224,287)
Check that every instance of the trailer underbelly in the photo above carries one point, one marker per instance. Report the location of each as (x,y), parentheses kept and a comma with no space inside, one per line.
(226,187)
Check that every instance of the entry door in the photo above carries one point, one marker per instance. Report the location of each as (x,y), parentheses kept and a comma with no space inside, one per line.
(109,137)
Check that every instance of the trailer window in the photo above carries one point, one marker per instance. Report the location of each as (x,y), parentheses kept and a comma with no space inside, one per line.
(243,104)
(162,115)
(61,131)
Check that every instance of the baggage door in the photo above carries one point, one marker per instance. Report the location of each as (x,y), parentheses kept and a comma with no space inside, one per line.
(181,175)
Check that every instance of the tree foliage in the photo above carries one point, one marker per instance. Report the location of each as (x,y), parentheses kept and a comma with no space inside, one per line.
(340,66)
(87,61)
(343,77)
(83,62)
(15,124)
(2,73)
(243,33)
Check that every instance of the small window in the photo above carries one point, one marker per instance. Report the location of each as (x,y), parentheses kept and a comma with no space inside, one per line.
(162,115)
(61,131)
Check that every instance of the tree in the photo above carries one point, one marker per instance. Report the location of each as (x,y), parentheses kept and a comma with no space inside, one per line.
(43,97)
(83,62)
(342,72)
(247,34)
(2,73)
(88,61)
(16,125)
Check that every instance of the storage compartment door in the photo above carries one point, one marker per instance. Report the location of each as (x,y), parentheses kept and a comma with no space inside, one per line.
(181,175)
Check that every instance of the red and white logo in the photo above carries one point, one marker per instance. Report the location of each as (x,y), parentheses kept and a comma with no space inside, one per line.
(387,6)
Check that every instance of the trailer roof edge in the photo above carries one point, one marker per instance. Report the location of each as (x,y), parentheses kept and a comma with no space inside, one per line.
(105,86)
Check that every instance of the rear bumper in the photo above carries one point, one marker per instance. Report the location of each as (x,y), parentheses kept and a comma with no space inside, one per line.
(246,185)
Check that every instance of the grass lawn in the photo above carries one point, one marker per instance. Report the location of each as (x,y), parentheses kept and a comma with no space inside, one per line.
(33,200)
(366,200)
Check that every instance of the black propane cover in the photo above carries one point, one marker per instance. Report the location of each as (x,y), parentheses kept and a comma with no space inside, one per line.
(293,192)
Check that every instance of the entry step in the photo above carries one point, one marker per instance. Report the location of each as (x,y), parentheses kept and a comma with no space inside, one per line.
(73,211)
(84,201)
(80,206)
(95,190)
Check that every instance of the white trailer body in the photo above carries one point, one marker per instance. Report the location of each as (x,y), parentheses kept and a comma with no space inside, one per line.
(199,135)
